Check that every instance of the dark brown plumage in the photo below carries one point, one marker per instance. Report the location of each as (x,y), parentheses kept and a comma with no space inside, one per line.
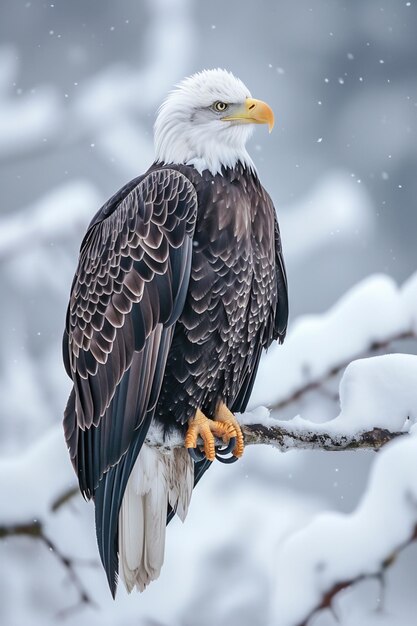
(237,297)
(179,286)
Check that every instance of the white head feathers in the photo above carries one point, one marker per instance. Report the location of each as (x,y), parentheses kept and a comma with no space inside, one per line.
(188,130)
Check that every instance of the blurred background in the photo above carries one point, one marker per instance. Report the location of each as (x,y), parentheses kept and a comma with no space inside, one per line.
(80,83)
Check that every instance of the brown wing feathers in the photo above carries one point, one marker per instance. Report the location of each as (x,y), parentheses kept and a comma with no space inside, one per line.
(281,313)
(129,289)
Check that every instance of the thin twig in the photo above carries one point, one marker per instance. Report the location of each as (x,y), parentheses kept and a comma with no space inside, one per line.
(63,498)
(35,531)
(329,595)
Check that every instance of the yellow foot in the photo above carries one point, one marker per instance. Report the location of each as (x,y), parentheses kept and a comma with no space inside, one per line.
(225,426)
(207,429)
(226,417)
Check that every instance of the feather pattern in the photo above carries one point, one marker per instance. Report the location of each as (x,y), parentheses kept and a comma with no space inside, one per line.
(236,303)
(181,283)
(132,274)
(158,480)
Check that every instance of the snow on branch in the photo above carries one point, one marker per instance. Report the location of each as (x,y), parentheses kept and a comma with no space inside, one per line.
(378,402)
(370,316)
(287,437)
(316,560)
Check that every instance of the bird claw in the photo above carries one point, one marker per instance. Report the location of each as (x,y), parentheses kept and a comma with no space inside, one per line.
(230,446)
(228,459)
(196,454)
(225,427)
(221,453)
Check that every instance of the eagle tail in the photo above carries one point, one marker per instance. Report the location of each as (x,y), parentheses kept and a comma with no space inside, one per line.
(158,480)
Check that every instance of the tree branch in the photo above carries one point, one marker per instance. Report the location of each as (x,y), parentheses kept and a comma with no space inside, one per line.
(282,435)
(317,383)
(330,594)
(285,438)
(375,399)
(35,530)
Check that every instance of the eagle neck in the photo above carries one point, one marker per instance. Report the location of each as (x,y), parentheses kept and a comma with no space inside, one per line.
(193,172)
(230,160)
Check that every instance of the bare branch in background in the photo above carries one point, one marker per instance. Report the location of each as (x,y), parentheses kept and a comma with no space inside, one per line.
(329,565)
(330,594)
(317,383)
(384,385)
(35,530)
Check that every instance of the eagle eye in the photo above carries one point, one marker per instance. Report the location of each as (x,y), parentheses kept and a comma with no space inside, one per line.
(219,107)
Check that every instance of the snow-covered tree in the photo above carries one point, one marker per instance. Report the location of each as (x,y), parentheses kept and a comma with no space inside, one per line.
(317,523)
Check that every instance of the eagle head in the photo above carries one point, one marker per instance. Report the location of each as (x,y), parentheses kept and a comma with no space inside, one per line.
(207,120)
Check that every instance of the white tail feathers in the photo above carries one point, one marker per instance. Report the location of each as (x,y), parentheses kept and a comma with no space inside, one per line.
(157,478)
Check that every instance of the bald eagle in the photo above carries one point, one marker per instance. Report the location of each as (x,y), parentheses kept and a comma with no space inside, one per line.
(180,285)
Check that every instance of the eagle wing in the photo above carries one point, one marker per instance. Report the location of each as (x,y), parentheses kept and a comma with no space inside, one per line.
(128,292)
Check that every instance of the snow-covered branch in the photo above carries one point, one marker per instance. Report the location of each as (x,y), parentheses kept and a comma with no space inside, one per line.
(378,402)
(368,318)
(316,559)
(286,438)
(318,383)
(328,597)
(378,399)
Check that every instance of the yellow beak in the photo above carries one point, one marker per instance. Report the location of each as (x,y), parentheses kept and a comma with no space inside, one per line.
(253,112)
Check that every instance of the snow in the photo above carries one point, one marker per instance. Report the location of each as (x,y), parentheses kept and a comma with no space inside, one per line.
(315,558)
(26,120)
(377,392)
(54,475)
(374,311)
(333,212)
(409,297)
(194,545)
(374,392)
(59,213)
(128,146)
(116,67)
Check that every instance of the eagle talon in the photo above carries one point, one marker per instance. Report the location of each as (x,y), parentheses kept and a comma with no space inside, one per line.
(207,429)
(226,417)
(225,451)
(196,454)
(227,460)
(224,426)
